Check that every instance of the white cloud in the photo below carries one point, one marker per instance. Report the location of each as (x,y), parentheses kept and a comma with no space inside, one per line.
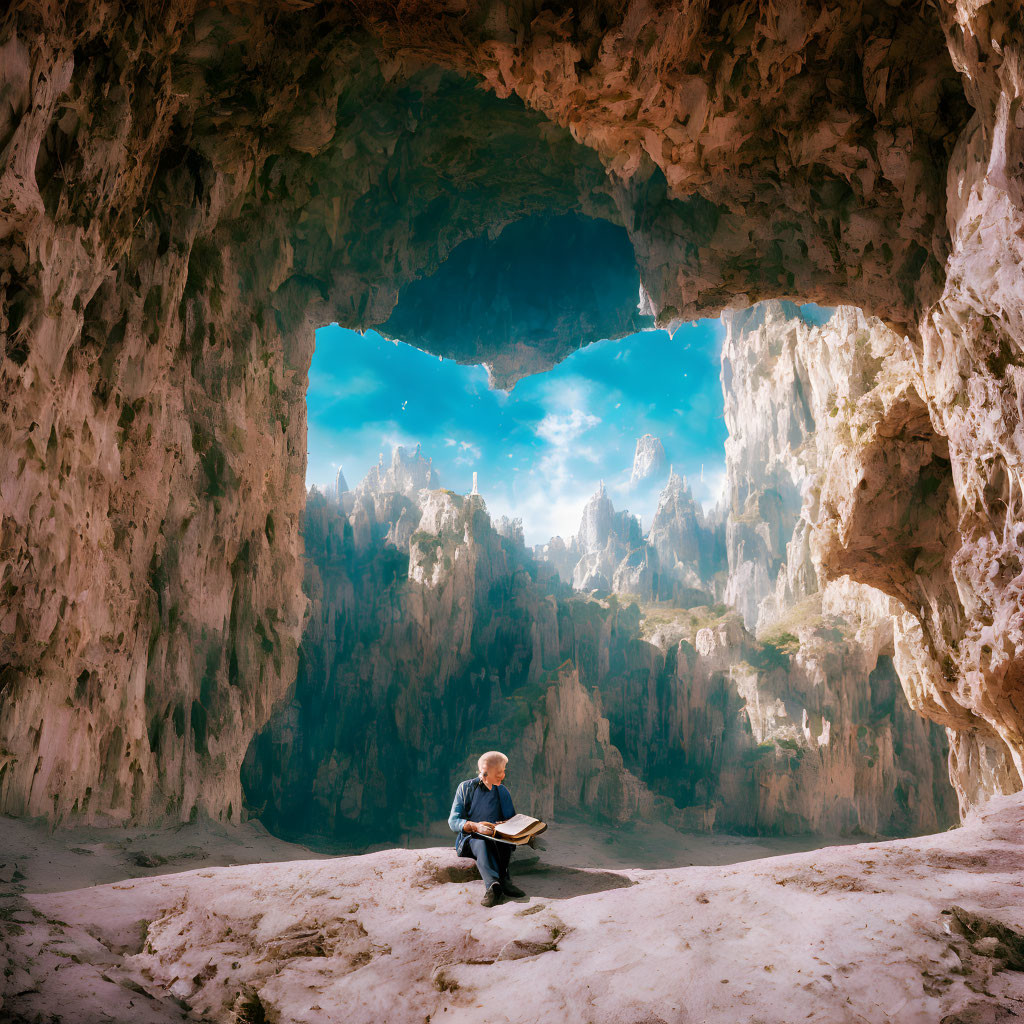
(545,513)
(563,430)
(393,436)
(469,454)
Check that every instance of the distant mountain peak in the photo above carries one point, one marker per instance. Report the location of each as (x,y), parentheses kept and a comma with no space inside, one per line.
(675,484)
(408,473)
(648,460)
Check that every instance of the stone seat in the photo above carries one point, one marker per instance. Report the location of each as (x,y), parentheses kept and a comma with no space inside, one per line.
(524,858)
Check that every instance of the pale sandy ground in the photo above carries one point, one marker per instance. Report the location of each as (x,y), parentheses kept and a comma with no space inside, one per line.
(853,933)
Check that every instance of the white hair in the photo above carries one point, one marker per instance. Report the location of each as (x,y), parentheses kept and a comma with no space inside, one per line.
(485,761)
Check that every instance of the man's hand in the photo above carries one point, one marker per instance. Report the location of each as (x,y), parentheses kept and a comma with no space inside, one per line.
(484,828)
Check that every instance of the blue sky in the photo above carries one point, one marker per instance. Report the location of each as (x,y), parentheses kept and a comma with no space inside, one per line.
(541,449)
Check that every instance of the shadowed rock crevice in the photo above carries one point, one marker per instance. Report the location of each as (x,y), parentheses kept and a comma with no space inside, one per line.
(892,529)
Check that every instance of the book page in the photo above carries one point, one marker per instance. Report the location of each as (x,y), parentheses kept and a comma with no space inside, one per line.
(514,826)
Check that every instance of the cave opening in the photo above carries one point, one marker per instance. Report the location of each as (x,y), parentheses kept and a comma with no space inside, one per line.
(464,592)
(394,430)
(188,340)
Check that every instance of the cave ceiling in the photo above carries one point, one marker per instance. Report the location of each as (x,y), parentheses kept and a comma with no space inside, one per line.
(543,287)
(749,152)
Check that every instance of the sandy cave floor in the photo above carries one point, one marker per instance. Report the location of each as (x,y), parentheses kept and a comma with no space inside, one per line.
(204,922)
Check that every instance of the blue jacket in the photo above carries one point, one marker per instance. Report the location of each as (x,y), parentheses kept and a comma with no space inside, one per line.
(461,812)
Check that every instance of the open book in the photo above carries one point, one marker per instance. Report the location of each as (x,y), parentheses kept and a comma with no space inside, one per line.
(518,830)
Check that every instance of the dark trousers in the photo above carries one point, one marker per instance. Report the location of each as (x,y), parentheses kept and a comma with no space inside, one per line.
(491,858)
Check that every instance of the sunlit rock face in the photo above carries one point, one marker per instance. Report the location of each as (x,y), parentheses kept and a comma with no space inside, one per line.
(806,731)
(840,445)
(409,473)
(385,505)
(689,545)
(185,194)
(768,416)
(605,539)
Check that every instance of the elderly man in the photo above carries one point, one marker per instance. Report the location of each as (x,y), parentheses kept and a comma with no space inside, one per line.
(479,805)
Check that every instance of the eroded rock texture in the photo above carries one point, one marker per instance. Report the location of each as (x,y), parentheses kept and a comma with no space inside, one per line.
(177,197)
(835,422)
(184,194)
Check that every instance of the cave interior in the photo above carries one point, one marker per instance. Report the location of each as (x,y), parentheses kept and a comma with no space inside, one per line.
(188,192)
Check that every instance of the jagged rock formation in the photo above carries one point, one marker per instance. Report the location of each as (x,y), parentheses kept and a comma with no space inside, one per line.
(510,528)
(805,731)
(606,539)
(421,652)
(832,413)
(680,560)
(782,379)
(689,544)
(408,474)
(649,459)
(562,753)
(186,193)
(409,652)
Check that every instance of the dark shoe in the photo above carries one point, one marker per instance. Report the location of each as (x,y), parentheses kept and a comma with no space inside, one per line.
(492,896)
(509,888)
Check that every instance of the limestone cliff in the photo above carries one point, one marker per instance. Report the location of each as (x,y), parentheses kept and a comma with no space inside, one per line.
(649,459)
(410,657)
(689,545)
(185,192)
(786,382)
(829,414)
(561,754)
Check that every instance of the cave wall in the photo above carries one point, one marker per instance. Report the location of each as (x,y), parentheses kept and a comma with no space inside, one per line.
(166,232)
(838,473)
(186,193)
